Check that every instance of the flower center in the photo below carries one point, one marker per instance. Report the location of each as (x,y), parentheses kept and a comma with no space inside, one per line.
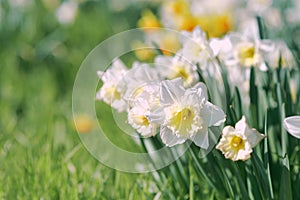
(246,55)
(181,121)
(179,71)
(113,93)
(237,143)
(141,120)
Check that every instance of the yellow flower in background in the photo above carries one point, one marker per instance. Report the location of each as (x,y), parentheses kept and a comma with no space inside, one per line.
(83,123)
(215,18)
(177,7)
(148,20)
(237,143)
(187,22)
(142,51)
(216,25)
(169,44)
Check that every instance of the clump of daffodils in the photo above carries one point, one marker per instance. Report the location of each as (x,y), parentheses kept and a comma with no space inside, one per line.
(168,99)
(237,142)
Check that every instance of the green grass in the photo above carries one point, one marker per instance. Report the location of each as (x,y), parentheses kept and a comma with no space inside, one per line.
(41,156)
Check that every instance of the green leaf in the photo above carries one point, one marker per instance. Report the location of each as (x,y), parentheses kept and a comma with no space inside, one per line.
(253,99)
(266,157)
(261,175)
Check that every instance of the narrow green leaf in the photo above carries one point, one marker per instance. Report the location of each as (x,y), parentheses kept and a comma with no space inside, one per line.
(261,175)
(253,99)
(266,157)
(285,181)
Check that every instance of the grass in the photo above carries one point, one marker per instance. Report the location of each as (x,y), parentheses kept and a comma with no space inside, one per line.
(41,156)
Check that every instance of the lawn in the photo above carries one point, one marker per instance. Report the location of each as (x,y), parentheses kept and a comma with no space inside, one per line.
(41,154)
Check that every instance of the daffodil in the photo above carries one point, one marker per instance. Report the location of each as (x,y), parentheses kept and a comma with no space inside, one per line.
(110,92)
(292,125)
(237,143)
(196,48)
(248,50)
(145,101)
(281,55)
(167,41)
(135,80)
(185,113)
(138,117)
(148,20)
(175,67)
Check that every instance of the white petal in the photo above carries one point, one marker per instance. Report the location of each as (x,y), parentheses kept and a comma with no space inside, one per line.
(227,130)
(100,73)
(157,116)
(253,136)
(267,45)
(220,45)
(213,115)
(292,125)
(242,125)
(169,138)
(162,60)
(201,138)
(201,90)
(171,91)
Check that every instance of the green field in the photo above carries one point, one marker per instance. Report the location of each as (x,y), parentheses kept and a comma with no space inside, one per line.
(41,156)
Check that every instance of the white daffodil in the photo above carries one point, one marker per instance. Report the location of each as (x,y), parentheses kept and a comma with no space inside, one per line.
(138,118)
(196,48)
(66,12)
(175,67)
(185,114)
(146,100)
(248,50)
(135,80)
(237,143)
(292,125)
(282,52)
(110,91)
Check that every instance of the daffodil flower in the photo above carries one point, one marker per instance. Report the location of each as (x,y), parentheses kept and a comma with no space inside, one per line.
(185,113)
(237,143)
(135,80)
(292,125)
(110,92)
(145,102)
(176,67)
(138,118)
(196,49)
(248,50)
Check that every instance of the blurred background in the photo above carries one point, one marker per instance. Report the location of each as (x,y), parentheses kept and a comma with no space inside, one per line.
(43,43)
